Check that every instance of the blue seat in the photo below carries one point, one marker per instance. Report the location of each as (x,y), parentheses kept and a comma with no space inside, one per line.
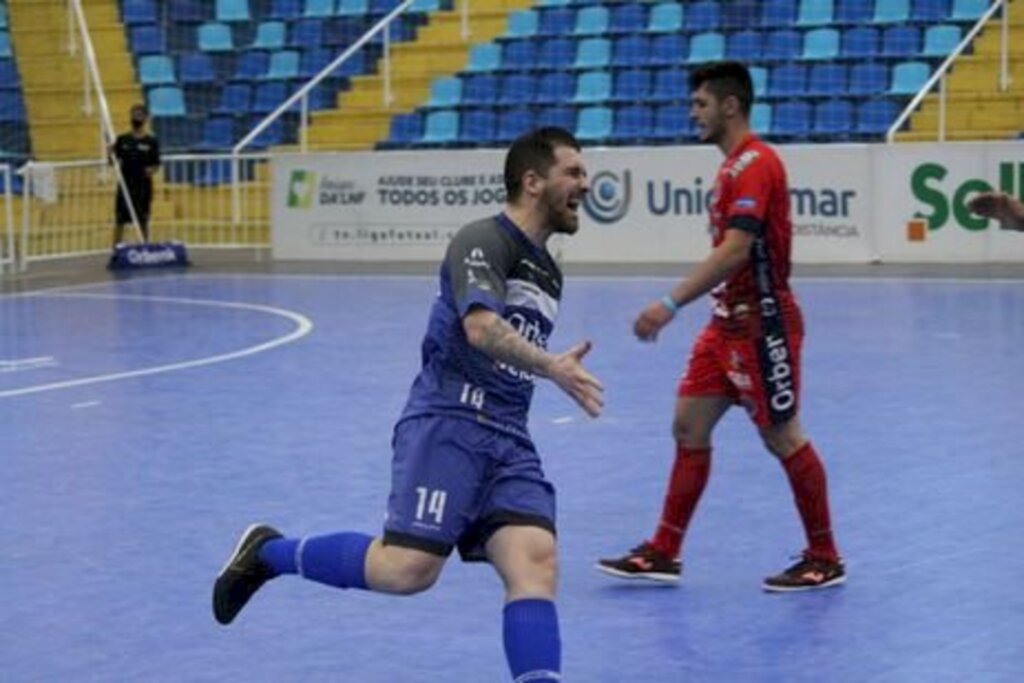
(9,76)
(783,45)
(671,85)
(188,11)
(630,50)
(740,14)
(593,86)
(478,127)
(591,21)
(827,79)
(665,17)
(269,36)
(519,55)
(815,13)
(218,134)
(234,99)
(196,67)
(405,129)
(514,122)
(868,78)
(556,53)
(484,57)
(761,118)
(891,11)
(5,45)
(706,47)
(759,77)
(517,89)
(134,12)
(930,11)
(791,119)
(274,134)
(901,41)
(635,122)
(445,92)
(821,43)
(283,65)
(704,15)
(148,40)
(312,62)
(854,12)
(4,19)
(875,117)
(593,53)
(940,41)
(318,8)
(778,13)
(556,22)
(156,70)
(594,123)
(166,101)
(561,117)
(352,8)
(555,87)
(744,46)
(12,106)
(441,127)
(668,49)
(269,96)
(627,18)
(860,41)
(285,10)
(251,66)
(671,122)
(480,89)
(833,119)
(215,38)
(522,24)
(306,34)
(632,85)
(424,6)
(787,80)
(233,10)
(968,10)
(909,77)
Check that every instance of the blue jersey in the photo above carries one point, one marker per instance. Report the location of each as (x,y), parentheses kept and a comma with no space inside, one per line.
(490,264)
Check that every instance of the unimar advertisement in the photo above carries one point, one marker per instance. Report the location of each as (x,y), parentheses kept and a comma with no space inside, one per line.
(850,203)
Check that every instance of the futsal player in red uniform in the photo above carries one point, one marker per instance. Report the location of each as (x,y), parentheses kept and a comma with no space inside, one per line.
(749,353)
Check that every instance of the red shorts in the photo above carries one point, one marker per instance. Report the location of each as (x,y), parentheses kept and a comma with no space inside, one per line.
(761,373)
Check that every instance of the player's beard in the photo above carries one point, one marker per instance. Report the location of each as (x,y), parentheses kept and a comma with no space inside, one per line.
(559,217)
(714,129)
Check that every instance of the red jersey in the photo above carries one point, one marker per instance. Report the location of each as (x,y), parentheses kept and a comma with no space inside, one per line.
(752,194)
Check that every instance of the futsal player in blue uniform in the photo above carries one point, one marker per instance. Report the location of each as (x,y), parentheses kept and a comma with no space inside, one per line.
(465,472)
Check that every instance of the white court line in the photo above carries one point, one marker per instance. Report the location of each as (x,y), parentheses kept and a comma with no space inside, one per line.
(303,326)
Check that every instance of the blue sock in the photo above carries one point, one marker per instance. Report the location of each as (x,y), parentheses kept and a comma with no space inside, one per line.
(337,560)
(532,644)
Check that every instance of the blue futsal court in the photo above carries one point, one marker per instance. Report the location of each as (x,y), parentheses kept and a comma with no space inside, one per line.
(145,422)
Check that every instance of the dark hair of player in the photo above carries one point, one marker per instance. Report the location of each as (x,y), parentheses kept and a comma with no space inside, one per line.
(534,151)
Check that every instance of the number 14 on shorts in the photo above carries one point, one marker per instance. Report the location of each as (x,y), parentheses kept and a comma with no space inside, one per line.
(430,502)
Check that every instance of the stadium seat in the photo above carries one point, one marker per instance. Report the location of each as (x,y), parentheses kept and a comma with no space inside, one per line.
(556,53)
(196,67)
(218,134)
(234,99)
(787,80)
(968,10)
(828,79)
(761,118)
(285,10)
(555,87)
(868,78)
(740,14)
(783,45)
(147,40)
(188,11)
(135,12)
(833,119)
(425,6)
(445,92)
(901,41)
(778,13)
(484,57)
(706,47)
(821,43)
(352,8)
(233,10)
(630,50)
(166,101)
(267,97)
(591,21)
(594,123)
(759,77)
(860,41)
(562,117)
(10,79)
(815,13)
(593,86)
(269,36)
(514,122)
(632,85)
(665,17)
(517,89)
(671,122)
(519,55)
(478,127)
(441,127)
(909,77)
(930,11)
(318,8)
(671,85)
(593,53)
(283,65)
(522,24)
(791,119)
(703,16)
(744,46)
(251,66)
(633,123)
(854,12)
(405,129)
(479,90)
(668,49)
(627,18)
(940,41)
(306,34)
(875,117)
(556,22)
(215,38)
(891,11)
(156,70)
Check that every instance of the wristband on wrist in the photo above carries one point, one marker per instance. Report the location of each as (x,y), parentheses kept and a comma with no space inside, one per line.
(668,302)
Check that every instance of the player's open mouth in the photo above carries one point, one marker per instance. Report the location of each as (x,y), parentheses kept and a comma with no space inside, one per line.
(573,205)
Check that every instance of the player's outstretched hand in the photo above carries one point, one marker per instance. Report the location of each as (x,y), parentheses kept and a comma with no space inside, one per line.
(650,321)
(1000,206)
(568,373)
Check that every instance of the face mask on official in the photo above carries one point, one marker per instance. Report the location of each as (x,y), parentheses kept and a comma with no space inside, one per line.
(138,117)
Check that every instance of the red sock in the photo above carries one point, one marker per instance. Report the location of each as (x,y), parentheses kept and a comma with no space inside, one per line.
(689,476)
(810,491)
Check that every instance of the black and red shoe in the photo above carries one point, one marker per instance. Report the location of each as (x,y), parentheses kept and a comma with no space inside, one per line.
(807,574)
(643,562)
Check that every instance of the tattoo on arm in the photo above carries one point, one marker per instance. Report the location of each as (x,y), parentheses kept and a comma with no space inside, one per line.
(502,342)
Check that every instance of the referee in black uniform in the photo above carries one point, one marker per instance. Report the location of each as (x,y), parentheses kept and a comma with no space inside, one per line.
(138,155)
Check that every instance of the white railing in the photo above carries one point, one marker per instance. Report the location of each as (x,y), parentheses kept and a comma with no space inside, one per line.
(68,207)
(7,255)
(941,74)
(94,83)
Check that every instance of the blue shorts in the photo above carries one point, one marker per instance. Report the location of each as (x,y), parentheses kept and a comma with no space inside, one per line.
(455,482)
